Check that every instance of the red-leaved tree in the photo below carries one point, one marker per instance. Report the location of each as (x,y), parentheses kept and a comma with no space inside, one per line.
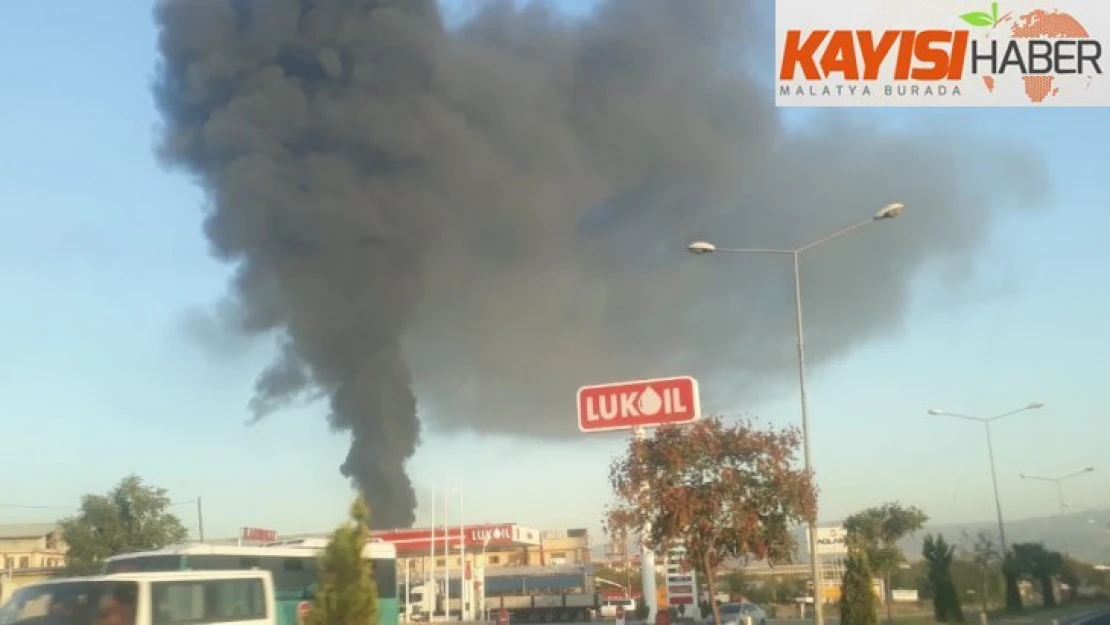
(723,491)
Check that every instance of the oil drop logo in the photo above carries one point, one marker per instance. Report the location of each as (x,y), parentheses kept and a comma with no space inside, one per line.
(633,404)
(644,403)
(650,402)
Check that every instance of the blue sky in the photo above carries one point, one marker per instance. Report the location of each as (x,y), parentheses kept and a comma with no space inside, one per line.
(103,259)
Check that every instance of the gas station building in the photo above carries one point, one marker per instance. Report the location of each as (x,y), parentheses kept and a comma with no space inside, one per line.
(498,544)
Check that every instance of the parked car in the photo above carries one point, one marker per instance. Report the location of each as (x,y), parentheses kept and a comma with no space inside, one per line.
(737,613)
(609,607)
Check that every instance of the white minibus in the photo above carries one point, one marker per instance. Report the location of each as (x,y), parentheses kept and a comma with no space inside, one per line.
(164,598)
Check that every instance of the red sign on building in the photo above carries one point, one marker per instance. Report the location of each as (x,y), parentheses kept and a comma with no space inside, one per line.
(258,534)
(643,403)
(474,537)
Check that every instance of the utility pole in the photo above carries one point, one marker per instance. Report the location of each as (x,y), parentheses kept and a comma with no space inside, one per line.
(200,519)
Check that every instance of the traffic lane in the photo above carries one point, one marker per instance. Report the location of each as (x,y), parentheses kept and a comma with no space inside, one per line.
(1102,618)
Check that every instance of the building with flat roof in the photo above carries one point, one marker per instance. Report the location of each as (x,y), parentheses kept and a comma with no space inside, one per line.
(29,552)
(494,546)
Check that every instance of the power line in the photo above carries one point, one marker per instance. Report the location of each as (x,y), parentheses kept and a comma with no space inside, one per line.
(21,506)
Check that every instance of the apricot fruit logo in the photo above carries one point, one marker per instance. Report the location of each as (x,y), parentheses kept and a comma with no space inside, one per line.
(1045,48)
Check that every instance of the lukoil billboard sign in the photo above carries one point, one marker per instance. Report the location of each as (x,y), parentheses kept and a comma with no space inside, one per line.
(961,53)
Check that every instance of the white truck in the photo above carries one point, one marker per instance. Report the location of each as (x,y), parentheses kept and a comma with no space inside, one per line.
(419,602)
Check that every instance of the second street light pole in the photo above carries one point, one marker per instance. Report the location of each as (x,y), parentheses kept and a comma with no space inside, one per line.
(987,421)
(994,484)
(889,211)
(1059,482)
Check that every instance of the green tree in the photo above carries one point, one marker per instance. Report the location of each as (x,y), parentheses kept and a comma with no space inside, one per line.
(774,589)
(1070,575)
(1040,564)
(858,603)
(986,557)
(938,555)
(346,593)
(908,576)
(724,492)
(1011,573)
(877,532)
(736,583)
(130,517)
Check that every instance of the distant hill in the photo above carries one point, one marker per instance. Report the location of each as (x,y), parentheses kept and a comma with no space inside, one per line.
(1086,536)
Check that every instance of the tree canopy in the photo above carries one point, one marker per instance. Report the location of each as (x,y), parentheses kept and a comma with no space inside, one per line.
(1035,561)
(724,492)
(876,532)
(985,558)
(938,555)
(131,517)
(346,593)
(858,603)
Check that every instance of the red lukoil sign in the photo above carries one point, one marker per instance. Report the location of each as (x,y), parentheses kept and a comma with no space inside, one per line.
(643,403)
(258,534)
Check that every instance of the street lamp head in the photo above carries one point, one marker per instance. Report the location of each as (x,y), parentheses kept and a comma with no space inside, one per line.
(1036,405)
(890,211)
(1023,476)
(1088,469)
(701,247)
(936,412)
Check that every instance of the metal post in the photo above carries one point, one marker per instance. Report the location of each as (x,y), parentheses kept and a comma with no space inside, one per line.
(408,592)
(200,520)
(647,558)
(464,592)
(814,558)
(1063,513)
(431,573)
(446,559)
(483,609)
(997,499)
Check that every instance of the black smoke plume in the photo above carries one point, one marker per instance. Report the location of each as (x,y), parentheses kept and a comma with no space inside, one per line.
(502,206)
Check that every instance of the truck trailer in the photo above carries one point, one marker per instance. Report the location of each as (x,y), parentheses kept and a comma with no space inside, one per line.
(563,594)
(564,608)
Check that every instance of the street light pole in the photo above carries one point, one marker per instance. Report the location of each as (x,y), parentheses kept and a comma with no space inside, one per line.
(1059,482)
(889,211)
(987,421)
(994,484)
(814,557)
(1060,496)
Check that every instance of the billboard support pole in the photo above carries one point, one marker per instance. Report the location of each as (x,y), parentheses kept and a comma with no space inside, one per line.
(647,556)
(636,405)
